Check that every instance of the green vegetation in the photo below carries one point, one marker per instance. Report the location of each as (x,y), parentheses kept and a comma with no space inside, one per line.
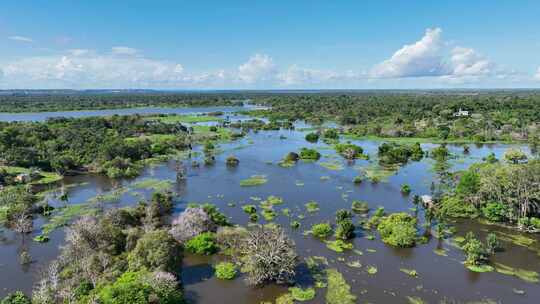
(312,137)
(255,180)
(398,229)
(393,153)
(225,271)
(350,151)
(204,243)
(322,230)
(338,292)
(312,206)
(299,294)
(309,154)
(338,245)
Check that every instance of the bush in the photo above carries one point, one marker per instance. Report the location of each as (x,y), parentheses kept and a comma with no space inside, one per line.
(141,288)
(345,229)
(204,243)
(16,298)
(475,251)
(321,230)
(492,243)
(405,189)
(398,229)
(232,161)
(190,223)
(291,157)
(468,183)
(342,215)
(331,134)
(267,254)
(309,154)
(312,137)
(360,207)
(349,151)
(225,271)
(156,250)
(495,211)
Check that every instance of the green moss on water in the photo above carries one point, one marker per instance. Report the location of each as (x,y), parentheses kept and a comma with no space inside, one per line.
(299,294)
(372,269)
(335,166)
(415,300)
(154,184)
(338,291)
(255,180)
(268,214)
(312,206)
(410,272)
(440,251)
(338,245)
(529,276)
(480,268)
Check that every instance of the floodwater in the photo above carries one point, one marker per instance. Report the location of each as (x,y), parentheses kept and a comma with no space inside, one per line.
(439,277)
(42,116)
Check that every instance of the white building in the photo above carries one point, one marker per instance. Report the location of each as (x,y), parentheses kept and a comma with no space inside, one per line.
(461,113)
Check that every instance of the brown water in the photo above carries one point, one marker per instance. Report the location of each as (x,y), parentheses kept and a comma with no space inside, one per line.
(440,277)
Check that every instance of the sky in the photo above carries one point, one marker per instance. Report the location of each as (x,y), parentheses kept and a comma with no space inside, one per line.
(103,44)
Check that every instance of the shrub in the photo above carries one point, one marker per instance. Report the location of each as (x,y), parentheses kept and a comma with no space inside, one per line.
(232,161)
(249,209)
(309,154)
(156,250)
(190,223)
(225,271)
(345,229)
(204,243)
(398,229)
(495,211)
(360,207)
(475,251)
(312,137)
(357,180)
(321,230)
(492,243)
(331,134)
(16,298)
(267,254)
(468,183)
(405,189)
(291,157)
(342,215)
(349,151)
(139,288)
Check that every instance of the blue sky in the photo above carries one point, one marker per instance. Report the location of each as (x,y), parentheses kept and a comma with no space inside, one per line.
(269,44)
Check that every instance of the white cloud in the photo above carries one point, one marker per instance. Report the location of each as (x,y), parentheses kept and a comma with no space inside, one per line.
(466,62)
(21,38)
(414,60)
(123,50)
(537,76)
(88,69)
(296,75)
(259,67)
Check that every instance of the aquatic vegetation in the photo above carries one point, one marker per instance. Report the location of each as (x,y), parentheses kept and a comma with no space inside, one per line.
(204,243)
(360,207)
(286,211)
(225,271)
(405,189)
(111,197)
(345,229)
(154,184)
(480,268)
(322,230)
(338,291)
(357,180)
(249,209)
(255,180)
(63,216)
(354,264)
(350,151)
(410,272)
(295,224)
(232,161)
(312,206)
(268,214)
(377,173)
(324,178)
(336,166)
(338,245)
(398,229)
(529,276)
(371,269)
(285,299)
(415,300)
(299,294)
(312,137)
(440,251)
(309,154)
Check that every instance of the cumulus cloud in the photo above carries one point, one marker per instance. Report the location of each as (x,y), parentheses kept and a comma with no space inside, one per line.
(414,60)
(21,38)
(123,50)
(259,67)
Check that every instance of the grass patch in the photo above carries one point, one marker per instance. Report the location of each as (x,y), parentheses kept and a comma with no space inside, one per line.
(377,173)
(338,292)
(335,166)
(299,294)
(154,184)
(338,245)
(255,180)
(312,206)
(480,268)
(529,276)
(63,216)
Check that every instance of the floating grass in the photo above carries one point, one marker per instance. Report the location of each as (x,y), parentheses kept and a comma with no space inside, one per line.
(154,184)
(312,206)
(335,166)
(410,272)
(338,291)
(338,245)
(529,276)
(255,180)
(372,270)
(299,294)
